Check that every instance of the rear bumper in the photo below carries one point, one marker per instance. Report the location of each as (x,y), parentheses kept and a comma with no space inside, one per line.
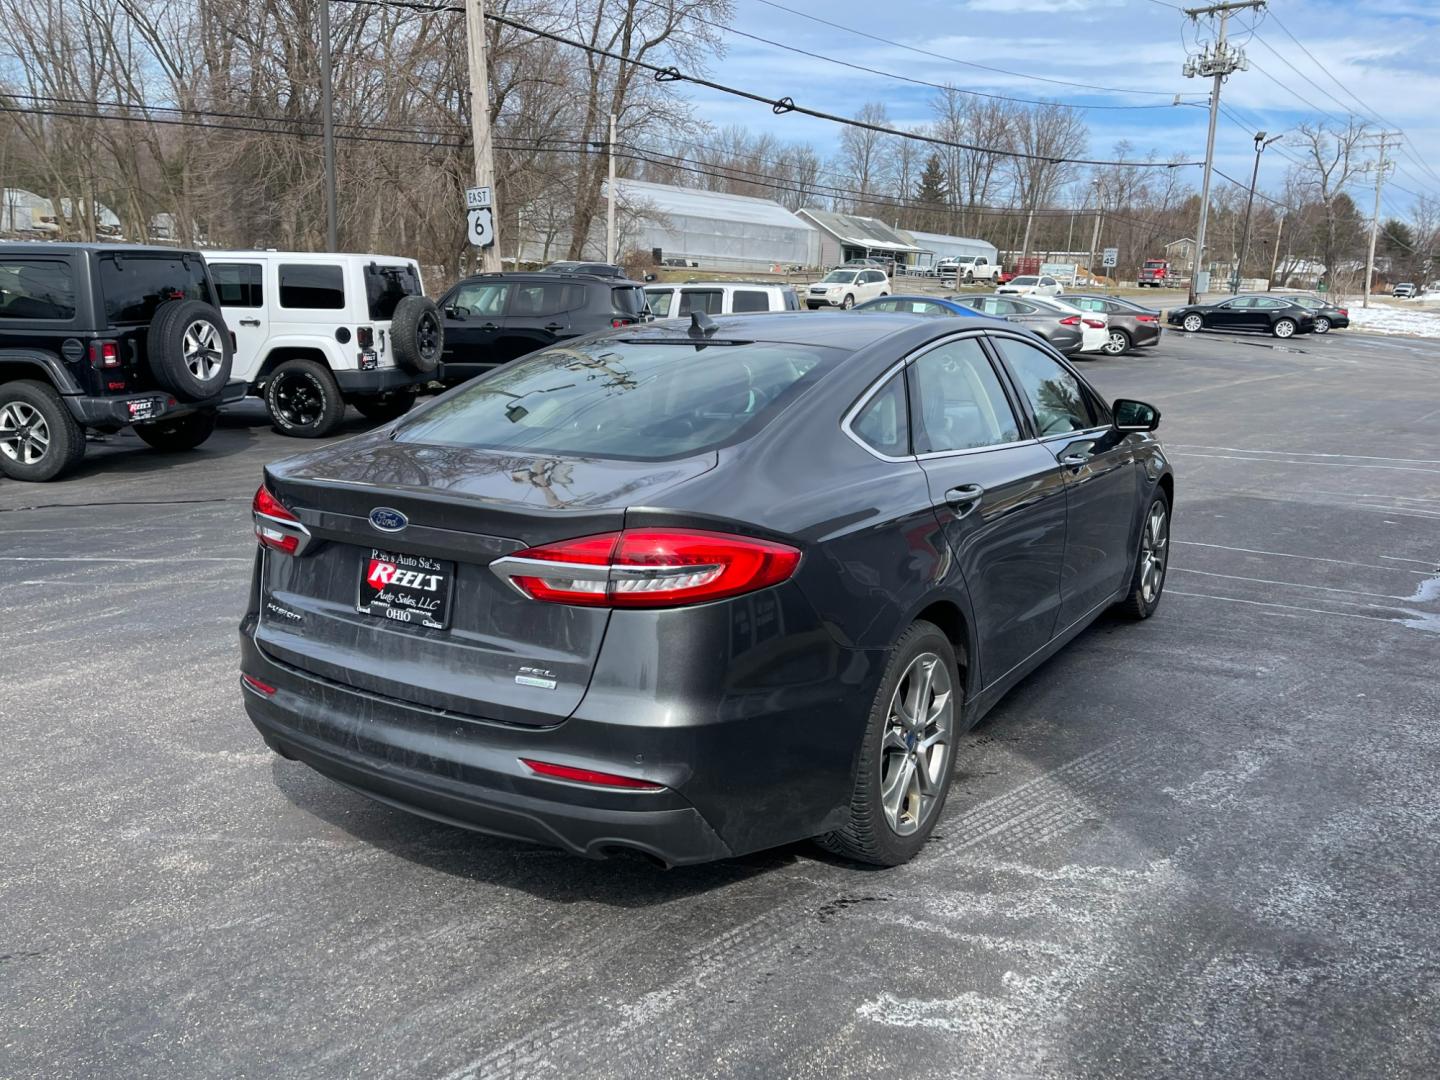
(1145,334)
(740,772)
(118,412)
(383,380)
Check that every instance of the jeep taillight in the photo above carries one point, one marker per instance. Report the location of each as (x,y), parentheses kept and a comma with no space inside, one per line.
(275,526)
(104,354)
(647,568)
(365,337)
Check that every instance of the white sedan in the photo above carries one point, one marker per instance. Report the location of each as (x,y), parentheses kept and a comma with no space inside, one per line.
(1031,285)
(1094,325)
(845,288)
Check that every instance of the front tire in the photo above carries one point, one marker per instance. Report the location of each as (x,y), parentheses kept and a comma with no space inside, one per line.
(1151,561)
(847,303)
(1118,343)
(39,439)
(303,399)
(906,756)
(1284,328)
(1192,323)
(180,433)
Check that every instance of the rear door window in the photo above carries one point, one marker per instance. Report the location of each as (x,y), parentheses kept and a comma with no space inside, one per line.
(960,404)
(641,401)
(750,300)
(660,301)
(710,301)
(312,287)
(135,285)
(538,301)
(238,284)
(386,286)
(36,289)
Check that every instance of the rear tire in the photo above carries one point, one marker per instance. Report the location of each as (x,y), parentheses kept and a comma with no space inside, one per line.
(1284,328)
(1151,560)
(39,439)
(1322,325)
(303,399)
(900,781)
(1118,344)
(385,407)
(180,433)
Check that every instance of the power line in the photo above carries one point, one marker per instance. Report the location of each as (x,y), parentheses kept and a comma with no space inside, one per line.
(780,106)
(957,60)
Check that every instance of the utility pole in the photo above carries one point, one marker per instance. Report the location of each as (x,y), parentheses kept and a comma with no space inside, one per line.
(1260,144)
(1275,259)
(1215,63)
(1380,166)
(610,199)
(327,107)
(1094,233)
(480,122)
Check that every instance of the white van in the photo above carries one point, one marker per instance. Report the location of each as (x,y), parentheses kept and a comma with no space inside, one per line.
(719,298)
(314,332)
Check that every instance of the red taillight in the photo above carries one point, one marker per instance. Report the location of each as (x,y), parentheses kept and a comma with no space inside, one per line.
(275,526)
(648,568)
(1073,320)
(1146,318)
(252,683)
(618,322)
(1095,324)
(589,776)
(365,337)
(104,354)
(1345,312)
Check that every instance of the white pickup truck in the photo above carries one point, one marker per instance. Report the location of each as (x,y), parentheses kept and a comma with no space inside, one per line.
(968,268)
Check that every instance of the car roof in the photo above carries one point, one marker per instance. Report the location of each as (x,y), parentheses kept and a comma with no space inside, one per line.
(717,284)
(41,247)
(836,329)
(251,253)
(541,275)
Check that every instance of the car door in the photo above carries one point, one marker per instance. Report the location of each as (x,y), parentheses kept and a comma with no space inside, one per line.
(999,496)
(537,315)
(1237,314)
(1099,469)
(473,312)
(241,290)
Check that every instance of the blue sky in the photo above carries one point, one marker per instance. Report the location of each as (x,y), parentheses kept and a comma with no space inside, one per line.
(1385,54)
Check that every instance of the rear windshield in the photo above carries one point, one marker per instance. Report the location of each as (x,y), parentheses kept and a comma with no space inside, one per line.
(629,299)
(638,401)
(135,285)
(386,286)
(1025,281)
(1154,264)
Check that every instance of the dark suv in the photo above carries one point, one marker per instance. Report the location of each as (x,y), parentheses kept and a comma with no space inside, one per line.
(103,336)
(491,319)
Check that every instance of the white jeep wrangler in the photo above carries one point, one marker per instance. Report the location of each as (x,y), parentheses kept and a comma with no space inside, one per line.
(315,331)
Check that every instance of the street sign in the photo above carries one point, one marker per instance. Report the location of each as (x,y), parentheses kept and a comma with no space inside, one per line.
(481,227)
(1112,257)
(478,198)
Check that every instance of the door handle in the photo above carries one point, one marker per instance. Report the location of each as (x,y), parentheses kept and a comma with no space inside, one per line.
(489,326)
(249,322)
(965,498)
(554,326)
(1075,459)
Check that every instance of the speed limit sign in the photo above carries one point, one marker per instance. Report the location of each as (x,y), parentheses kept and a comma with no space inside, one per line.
(1112,256)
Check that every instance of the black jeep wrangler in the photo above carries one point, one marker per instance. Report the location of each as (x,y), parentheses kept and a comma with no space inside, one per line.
(98,337)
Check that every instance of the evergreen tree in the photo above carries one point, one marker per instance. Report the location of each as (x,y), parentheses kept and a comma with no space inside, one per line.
(931,193)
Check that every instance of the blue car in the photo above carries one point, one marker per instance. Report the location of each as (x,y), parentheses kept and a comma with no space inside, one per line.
(920,305)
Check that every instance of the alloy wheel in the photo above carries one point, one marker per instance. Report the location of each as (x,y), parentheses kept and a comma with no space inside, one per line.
(1284,328)
(1154,549)
(202,351)
(1117,343)
(1193,323)
(299,398)
(915,750)
(24,435)
(427,335)
(1322,325)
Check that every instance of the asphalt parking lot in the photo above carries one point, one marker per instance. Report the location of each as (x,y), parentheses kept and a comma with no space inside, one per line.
(1203,846)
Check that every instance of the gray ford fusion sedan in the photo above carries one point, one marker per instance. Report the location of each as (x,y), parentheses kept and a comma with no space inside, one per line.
(694,590)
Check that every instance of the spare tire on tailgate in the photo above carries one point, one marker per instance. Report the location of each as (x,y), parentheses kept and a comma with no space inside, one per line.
(417,334)
(189,349)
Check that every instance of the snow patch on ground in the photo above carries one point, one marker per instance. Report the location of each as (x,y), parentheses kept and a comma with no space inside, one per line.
(1385,319)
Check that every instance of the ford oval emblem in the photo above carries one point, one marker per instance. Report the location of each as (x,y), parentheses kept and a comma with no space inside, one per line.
(387,520)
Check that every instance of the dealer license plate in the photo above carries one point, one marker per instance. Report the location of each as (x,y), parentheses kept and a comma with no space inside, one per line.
(409,589)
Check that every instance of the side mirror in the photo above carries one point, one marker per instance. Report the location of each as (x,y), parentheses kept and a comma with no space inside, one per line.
(458,314)
(1135,415)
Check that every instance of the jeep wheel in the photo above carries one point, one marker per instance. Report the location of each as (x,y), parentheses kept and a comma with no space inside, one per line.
(39,439)
(385,407)
(417,334)
(303,399)
(178,433)
(189,350)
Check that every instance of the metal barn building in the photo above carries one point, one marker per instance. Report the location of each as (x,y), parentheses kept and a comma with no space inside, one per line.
(937,246)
